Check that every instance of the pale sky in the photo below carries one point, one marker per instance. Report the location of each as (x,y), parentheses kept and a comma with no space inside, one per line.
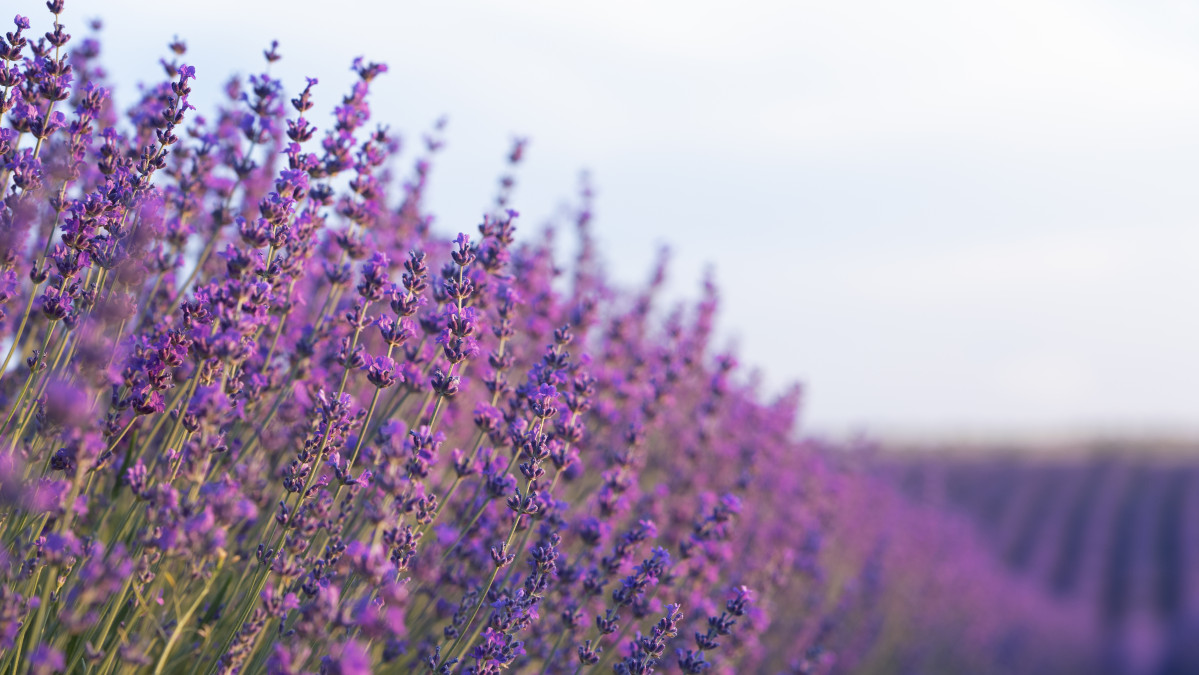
(944,218)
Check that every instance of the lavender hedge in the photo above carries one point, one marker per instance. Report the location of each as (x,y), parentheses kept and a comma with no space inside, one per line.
(259,415)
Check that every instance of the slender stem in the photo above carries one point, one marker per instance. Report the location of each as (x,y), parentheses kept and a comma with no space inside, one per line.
(16,337)
(212,241)
(612,649)
(200,261)
(182,621)
(33,373)
(553,652)
(35,636)
(482,599)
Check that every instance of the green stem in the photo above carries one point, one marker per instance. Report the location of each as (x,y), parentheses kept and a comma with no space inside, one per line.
(553,652)
(16,337)
(166,651)
(482,599)
(33,372)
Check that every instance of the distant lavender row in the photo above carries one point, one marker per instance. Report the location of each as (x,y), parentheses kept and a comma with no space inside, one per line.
(1108,529)
(259,416)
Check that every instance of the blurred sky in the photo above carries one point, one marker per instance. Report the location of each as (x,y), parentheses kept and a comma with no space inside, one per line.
(944,218)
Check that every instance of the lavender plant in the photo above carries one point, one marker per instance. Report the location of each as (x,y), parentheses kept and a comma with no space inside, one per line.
(259,415)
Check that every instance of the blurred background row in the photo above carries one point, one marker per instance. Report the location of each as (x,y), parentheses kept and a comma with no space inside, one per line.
(1109,528)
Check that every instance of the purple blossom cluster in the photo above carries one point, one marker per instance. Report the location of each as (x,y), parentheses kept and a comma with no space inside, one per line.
(260,416)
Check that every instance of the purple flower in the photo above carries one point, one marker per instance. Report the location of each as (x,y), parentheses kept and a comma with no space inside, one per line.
(59,549)
(46,660)
(349,658)
(382,372)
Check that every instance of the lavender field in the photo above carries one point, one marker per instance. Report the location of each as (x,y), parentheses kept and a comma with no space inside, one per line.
(261,412)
